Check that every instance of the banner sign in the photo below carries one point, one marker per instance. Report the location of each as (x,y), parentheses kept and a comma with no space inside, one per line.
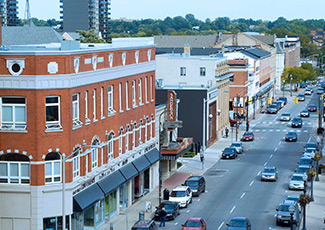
(171,105)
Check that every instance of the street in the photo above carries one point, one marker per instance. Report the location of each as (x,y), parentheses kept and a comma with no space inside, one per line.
(234,187)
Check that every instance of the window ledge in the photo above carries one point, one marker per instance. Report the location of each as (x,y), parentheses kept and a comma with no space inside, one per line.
(147,102)
(95,120)
(152,100)
(12,131)
(141,104)
(76,127)
(128,109)
(121,111)
(111,114)
(53,130)
(102,117)
(135,106)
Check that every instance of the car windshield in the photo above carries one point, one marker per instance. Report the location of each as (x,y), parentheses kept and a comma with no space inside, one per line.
(284,208)
(228,150)
(237,223)
(269,170)
(297,178)
(310,150)
(272,106)
(301,95)
(192,223)
(285,114)
(192,183)
(310,145)
(248,134)
(305,111)
(305,161)
(291,133)
(304,170)
(282,99)
(235,145)
(312,106)
(293,198)
(177,194)
(169,207)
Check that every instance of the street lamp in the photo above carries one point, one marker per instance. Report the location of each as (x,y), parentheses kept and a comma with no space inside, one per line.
(290,85)
(291,210)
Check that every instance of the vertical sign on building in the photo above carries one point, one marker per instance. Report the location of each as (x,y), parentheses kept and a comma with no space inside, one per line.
(171,105)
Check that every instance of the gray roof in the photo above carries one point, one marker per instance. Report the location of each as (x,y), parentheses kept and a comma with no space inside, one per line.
(256,53)
(194,51)
(267,39)
(74,35)
(28,35)
(180,41)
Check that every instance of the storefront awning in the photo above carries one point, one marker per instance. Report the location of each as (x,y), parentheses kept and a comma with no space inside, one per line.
(129,171)
(153,155)
(111,182)
(84,199)
(141,163)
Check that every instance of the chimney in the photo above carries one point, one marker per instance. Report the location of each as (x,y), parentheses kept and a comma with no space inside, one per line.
(187,50)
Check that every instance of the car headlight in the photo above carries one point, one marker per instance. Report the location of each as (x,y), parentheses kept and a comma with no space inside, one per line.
(279,216)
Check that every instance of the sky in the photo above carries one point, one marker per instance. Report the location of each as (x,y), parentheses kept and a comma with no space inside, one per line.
(202,9)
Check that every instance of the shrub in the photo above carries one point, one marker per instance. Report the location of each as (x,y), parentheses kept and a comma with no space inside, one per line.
(189,154)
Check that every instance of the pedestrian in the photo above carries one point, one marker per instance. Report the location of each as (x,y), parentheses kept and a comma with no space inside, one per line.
(318,141)
(162,215)
(247,126)
(227,131)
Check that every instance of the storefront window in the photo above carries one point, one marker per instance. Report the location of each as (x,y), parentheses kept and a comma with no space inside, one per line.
(55,223)
(94,215)
(89,216)
(110,204)
(77,220)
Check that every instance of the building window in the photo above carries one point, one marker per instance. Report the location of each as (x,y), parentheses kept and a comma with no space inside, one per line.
(14,169)
(13,113)
(140,92)
(94,105)
(75,111)
(87,120)
(133,135)
(202,71)
(127,138)
(52,104)
(52,168)
(120,97)
(183,71)
(120,142)
(146,130)
(146,89)
(102,103)
(140,130)
(110,146)
(76,163)
(152,88)
(151,126)
(134,101)
(110,60)
(124,58)
(111,110)
(136,57)
(94,155)
(127,95)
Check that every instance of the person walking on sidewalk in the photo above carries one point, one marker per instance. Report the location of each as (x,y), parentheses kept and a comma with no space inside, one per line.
(162,215)
(227,131)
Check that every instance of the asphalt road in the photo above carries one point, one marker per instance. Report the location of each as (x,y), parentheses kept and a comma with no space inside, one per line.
(234,187)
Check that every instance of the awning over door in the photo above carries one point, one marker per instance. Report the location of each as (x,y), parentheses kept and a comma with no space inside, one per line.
(141,163)
(129,171)
(111,182)
(153,155)
(84,199)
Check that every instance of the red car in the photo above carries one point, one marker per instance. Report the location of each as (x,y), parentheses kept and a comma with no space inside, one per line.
(195,223)
(248,136)
(312,108)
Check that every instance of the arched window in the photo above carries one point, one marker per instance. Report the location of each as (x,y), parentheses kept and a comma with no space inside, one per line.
(94,154)
(76,162)
(110,146)
(53,168)
(14,169)
(127,138)
(134,126)
(120,142)
(140,131)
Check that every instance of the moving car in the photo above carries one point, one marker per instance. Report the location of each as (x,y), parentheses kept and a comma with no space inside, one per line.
(283,99)
(296,122)
(312,108)
(280,103)
(308,92)
(305,161)
(144,225)
(196,184)
(285,117)
(291,136)
(296,182)
(181,194)
(303,170)
(320,91)
(239,223)
(238,146)
(311,89)
(248,136)
(195,223)
(292,198)
(269,173)
(272,109)
(303,85)
(171,208)
(304,113)
(283,214)
(228,153)
(301,97)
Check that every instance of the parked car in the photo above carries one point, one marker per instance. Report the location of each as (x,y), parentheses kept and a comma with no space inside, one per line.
(195,223)
(296,182)
(294,199)
(181,194)
(301,97)
(248,136)
(283,214)
(277,104)
(283,99)
(171,208)
(303,85)
(269,173)
(228,153)
(238,146)
(196,184)
(285,117)
(272,109)
(304,113)
(303,170)
(291,136)
(296,122)
(310,152)
(305,161)
(308,92)
(312,108)
(320,91)
(239,223)
(310,145)
(311,89)
(145,225)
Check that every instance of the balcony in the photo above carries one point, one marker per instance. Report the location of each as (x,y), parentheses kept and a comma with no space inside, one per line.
(176,149)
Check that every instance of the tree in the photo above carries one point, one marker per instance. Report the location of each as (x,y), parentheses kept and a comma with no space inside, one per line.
(89,37)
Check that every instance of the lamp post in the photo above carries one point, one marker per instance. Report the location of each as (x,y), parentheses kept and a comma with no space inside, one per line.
(204,132)
(291,210)
(247,122)
(254,99)
(283,88)
(237,105)
(290,85)
(303,204)
(312,186)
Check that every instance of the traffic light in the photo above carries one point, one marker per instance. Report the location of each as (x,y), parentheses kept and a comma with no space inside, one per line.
(269,100)
(296,100)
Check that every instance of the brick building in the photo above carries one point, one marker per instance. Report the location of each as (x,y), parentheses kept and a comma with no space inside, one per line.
(78,118)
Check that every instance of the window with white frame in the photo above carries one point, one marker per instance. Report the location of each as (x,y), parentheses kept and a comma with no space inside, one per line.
(120,142)
(94,105)
(146,130)
(140,91)
(202,71)
(76,163)
(151,126)
(120,97)
(183,71)
(127,95)
(133,135)
(94,155)
(140,134)
(110,100)
(134,101)
(53,116)
(127,133)
(75,110)
(152,88)
(102,103)
(87,120)
(13,113)
(52,168)
(146,89)
(110,146)
(110,60)
(14,169)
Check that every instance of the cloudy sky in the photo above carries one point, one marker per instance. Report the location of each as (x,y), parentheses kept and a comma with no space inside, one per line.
(156,9)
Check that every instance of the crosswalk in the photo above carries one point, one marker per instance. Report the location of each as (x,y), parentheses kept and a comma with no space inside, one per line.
(278,122)
(280,130)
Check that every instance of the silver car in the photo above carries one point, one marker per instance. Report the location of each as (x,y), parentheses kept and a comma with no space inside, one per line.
(297,182)
(285,117)
(238,146)
(269,173)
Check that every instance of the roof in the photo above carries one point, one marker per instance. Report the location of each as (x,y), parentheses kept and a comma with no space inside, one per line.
(196,51)
(180,188)
(239,218)
(180,41)
(142,223)
(194,178)
(194,218)
(256,53)
(28,35)
(267,39)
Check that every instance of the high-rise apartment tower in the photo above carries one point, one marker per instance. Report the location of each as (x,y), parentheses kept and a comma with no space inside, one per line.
(9,12)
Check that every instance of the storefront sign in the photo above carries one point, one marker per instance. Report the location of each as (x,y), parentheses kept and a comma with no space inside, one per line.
(173,124)
(150,147)
(171,105)
(84,185)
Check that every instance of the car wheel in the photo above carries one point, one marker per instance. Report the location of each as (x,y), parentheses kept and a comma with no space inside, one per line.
(277,223)
(191,201)
(174,216)
(203,190)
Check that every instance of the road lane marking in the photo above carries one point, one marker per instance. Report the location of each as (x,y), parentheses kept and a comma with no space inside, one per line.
(258,173)
(233,208)
(279,143)
(198,199)
(251,183)
(188,211)
(221,225)
(271,155)
(275,149)
(309,139)
(265,163)
(271,130)
(176,223)
(242,195)
(278,130)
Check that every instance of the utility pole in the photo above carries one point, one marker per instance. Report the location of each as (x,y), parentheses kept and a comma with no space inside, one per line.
(247,122)
(319,112)
(237,104)
(203,134)
(290,85)
(254,100)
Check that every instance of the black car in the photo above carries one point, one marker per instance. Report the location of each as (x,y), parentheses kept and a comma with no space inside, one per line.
(196,184)
(291,136)
(296,122)
(171,208)
(283,99)
(229,153)
(145,225)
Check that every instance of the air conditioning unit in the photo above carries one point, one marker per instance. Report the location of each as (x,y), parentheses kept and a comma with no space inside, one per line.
(159,83)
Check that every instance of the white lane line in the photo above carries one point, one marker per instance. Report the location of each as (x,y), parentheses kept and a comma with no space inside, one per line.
(198,199)
(258,173)
(271,155)
(221,225)
(309,139)
(251,183)
(278,130)
(264,130)
(271,130)
(279,143)
(275,149)
(305,131)
(176,223)
(242,195)
(188,211)
(265,163)
(233,208)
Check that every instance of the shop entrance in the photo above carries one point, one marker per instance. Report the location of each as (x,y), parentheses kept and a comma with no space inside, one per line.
(146,183)
(110,204)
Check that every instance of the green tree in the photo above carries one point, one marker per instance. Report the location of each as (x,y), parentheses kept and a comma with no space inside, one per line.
(89,37)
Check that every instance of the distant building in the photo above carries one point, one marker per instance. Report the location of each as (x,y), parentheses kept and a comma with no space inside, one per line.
(86,15)
(292,48)
(9,12)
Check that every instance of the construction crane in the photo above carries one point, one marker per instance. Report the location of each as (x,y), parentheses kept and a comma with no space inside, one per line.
(27,15)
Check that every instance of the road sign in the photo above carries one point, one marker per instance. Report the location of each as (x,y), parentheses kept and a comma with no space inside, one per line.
(173,124)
